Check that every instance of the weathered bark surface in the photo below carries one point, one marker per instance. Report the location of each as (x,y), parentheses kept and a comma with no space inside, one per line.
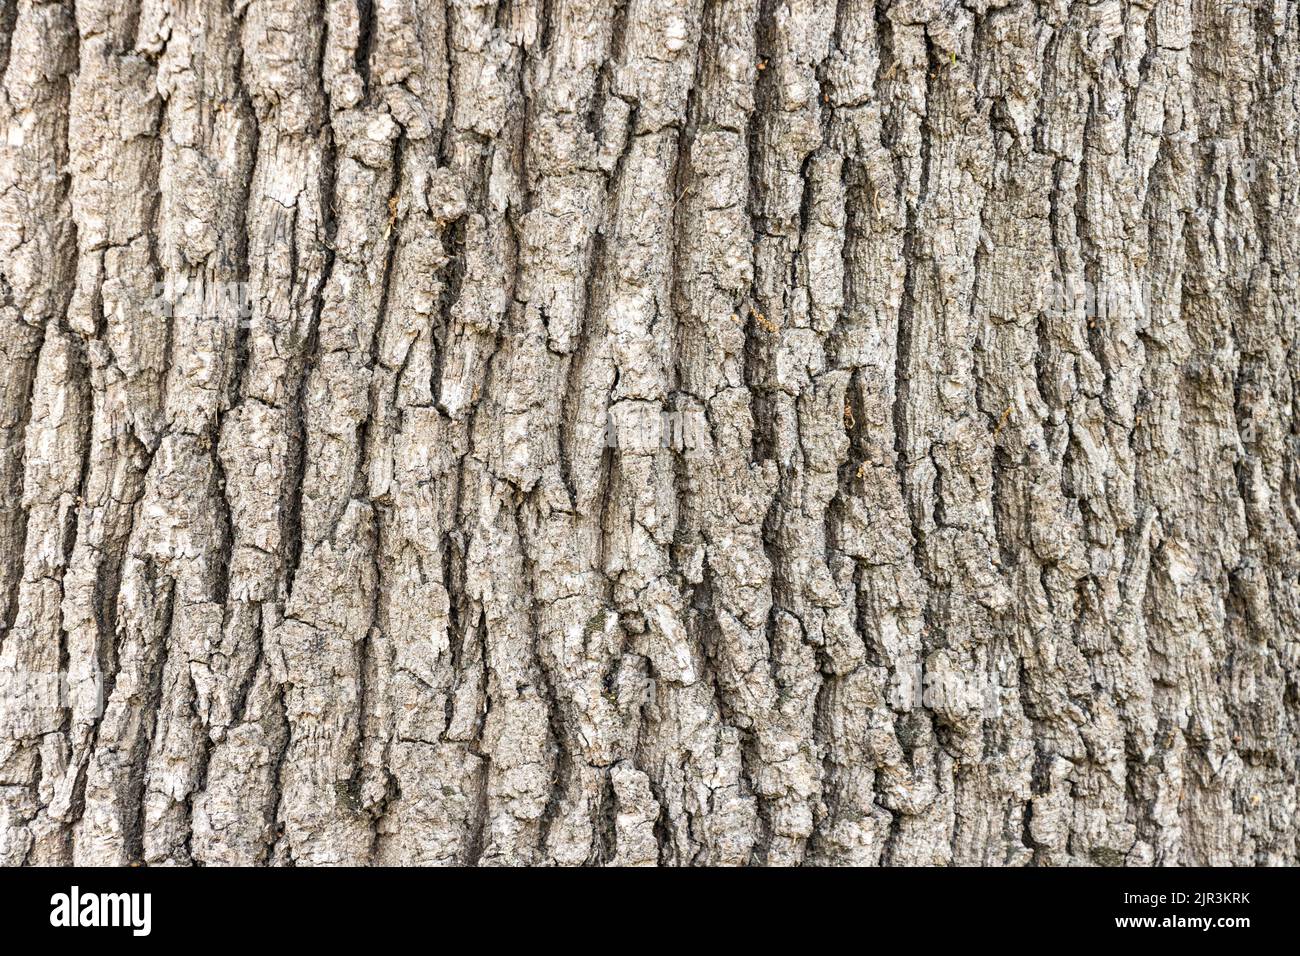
(631,400)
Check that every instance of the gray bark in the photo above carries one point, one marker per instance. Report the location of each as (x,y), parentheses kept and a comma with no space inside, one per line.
(658,431)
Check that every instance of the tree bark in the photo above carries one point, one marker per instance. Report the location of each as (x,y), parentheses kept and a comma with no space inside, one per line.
(655,431)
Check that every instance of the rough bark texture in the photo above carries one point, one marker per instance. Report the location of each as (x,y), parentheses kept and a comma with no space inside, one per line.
(657,431)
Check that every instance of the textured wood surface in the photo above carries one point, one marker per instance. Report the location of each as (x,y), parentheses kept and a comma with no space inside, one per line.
(705,432)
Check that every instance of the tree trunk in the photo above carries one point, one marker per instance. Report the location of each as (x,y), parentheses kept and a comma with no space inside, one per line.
(659,431)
